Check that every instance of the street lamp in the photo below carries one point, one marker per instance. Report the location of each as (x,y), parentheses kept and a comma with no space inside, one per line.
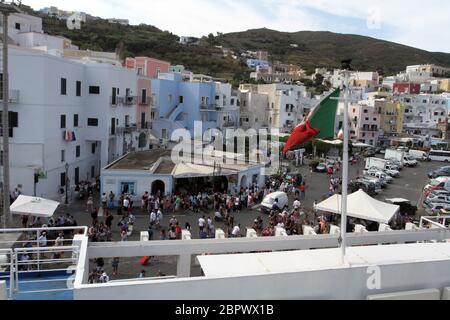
(67,181)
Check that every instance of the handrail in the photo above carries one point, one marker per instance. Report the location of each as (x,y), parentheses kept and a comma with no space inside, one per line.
(17,230)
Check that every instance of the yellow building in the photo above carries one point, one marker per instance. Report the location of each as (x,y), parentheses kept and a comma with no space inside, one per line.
(392,116)
(445,85)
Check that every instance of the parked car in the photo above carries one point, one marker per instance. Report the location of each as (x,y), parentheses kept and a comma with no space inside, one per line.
(435,208)
(442,172)
(372,181)
(379,174)
(367,187)
(322,167)
(396,163)
(392,170)
(268,201)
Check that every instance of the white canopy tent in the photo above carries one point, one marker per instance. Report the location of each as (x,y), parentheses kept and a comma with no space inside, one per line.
(361,206)
(37,207)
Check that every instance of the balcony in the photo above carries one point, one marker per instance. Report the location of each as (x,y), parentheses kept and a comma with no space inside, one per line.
(229,124)
(13,96)
(122,130)
(209,107)
(115,101)
(145,101)
(128,100)
(144,125)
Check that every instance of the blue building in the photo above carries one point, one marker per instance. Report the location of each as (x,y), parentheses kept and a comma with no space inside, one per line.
(179,104)
(253,63)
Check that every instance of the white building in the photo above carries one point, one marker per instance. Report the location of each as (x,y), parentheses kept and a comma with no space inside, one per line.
(287,105)
(425,108)
(26,31)
(367,80)
(54,98)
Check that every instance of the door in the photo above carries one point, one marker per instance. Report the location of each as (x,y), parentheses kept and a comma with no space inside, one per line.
(77,176)
(143,124)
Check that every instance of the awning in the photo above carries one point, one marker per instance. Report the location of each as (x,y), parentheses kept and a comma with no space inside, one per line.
(361,206)
(189,170)
(37,207)
(334,142)
(362,145)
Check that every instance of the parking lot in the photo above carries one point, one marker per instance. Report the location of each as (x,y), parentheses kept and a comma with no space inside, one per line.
(409,185)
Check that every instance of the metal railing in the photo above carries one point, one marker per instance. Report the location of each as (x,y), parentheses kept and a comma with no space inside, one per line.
(209,107)
(145,101)
(27,255)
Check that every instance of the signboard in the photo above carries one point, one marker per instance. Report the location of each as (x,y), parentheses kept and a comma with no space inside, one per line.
(42,174)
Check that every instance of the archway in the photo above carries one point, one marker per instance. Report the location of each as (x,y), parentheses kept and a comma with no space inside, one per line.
(158,187)
(244,183)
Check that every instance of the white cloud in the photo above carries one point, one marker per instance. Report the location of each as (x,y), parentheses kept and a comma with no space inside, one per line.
(416,23)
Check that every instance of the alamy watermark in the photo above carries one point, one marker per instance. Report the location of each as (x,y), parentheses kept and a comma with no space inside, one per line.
(214,147)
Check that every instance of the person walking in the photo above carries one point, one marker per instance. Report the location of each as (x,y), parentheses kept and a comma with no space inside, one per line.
(115,266)
(303,191)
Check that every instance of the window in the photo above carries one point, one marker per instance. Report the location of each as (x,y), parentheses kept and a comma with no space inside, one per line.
(63,121)
(366,111)
(114,96)
(128,188)
(93,147)
(181,99)
(140,71)
(92,172)
(127,120)
(78,151)
(144,96)
(63,86)
(77,175)
(63,155)
(75,120)
(17,26)
(169,98)
(92,122)
(78,88)
(94,90)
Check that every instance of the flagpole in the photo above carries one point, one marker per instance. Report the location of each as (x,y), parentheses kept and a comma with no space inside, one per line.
(345,169)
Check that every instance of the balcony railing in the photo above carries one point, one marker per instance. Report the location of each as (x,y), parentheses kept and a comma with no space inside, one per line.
(209,107)
(123,101)
(144,125)
(128,100)
(13,96)
(145,101)
(127,129)
(229,124)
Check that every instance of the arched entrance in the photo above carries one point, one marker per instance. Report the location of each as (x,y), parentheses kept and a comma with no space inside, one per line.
(158,187)
(244,183)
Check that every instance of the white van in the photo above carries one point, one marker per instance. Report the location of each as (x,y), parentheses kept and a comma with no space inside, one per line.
(267,203)
(418,155)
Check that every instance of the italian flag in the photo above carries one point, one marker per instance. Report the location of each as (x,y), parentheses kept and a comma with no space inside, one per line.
(319,124)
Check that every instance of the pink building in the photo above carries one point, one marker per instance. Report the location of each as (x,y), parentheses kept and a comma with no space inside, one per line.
(365,123)
(148,67)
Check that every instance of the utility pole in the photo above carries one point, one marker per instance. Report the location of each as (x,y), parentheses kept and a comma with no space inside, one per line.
(6,8)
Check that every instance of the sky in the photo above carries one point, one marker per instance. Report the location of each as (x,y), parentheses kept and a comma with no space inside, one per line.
(417,23)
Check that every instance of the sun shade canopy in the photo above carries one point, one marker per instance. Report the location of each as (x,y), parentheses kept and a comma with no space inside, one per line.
(38,207)
(361,206)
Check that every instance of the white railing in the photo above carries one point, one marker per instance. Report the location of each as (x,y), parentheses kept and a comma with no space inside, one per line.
(183,250)
(36,258)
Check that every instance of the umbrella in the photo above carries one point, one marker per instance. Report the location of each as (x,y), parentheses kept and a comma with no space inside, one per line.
(37,207)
